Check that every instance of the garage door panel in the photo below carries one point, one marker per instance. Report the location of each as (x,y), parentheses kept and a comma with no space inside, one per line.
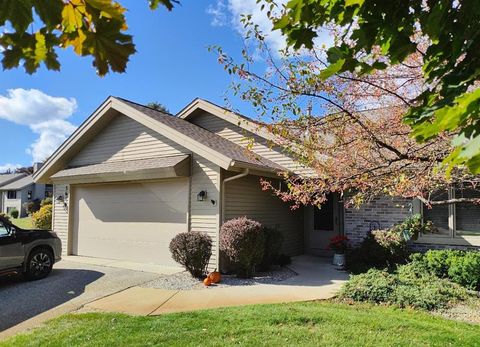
(131,222)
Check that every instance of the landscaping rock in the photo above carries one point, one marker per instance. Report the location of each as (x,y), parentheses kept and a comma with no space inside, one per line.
(184,281)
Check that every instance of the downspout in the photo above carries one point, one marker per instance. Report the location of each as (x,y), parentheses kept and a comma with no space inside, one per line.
(236,177)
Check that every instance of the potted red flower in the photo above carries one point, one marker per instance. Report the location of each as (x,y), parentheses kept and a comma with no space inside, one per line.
(339,245)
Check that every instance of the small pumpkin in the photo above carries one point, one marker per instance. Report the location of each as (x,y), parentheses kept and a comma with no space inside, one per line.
(207,281)
(215,276)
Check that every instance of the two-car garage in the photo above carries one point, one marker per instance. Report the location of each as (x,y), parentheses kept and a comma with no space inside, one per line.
(129,221)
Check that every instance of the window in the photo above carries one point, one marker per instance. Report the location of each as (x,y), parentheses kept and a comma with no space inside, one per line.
(48,190)
(11,194)
(455,220)
(438,215)
(467,215)
(323,217)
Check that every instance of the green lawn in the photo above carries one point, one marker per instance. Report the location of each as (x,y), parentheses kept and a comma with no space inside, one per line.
(307,323)
(23,223)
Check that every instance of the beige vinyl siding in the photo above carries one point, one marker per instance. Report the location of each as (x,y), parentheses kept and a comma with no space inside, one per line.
(60,221)
(205,216)
(245,138)
(125,139)
(244,197)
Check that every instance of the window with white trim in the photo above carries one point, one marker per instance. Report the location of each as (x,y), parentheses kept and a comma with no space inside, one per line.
(455,220)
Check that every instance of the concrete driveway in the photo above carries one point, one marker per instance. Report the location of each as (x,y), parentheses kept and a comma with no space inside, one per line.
(71,285)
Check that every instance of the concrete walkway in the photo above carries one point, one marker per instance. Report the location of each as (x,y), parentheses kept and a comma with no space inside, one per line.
(316,279)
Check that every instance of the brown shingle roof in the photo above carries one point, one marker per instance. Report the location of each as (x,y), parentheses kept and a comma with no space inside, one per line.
(207,138)
(122,166)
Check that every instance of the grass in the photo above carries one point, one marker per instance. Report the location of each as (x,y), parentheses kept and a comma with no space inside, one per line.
(306,323)
(23,223)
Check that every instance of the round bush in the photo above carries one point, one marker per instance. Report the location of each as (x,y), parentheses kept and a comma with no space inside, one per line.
(242,241)
(14,213)
(193,251)
(42,219)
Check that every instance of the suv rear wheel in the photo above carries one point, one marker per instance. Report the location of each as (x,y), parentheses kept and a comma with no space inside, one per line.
(39,264)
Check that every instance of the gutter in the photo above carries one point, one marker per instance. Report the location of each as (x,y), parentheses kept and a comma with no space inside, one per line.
(236,177)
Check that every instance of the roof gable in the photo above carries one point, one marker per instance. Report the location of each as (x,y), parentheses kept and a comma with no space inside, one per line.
(242,121)
(200,141)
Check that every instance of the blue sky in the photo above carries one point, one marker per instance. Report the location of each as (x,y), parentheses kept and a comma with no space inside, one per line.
(172,66)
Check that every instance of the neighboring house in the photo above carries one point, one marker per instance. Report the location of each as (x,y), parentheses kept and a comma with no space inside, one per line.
(4,180)
(130,178)
(19,189)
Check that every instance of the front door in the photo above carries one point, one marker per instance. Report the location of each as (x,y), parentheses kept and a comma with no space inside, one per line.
(11,250)
(325,223)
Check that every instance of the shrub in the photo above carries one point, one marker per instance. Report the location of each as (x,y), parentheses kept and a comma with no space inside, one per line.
(371,254)
(14,213)
(192,250)
(46,201)
(273,245)
(42,219)
(242,240)
(387,248)
(373,286)
(403,288)
(32,206)
(413,226)
(462,267)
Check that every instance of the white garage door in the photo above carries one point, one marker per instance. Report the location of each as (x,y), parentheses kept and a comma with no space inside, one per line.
(132,222)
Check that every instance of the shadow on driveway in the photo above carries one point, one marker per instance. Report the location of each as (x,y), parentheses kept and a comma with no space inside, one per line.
(21,299)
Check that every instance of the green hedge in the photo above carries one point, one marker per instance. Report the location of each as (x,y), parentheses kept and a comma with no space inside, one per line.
(405,287)
(462,267)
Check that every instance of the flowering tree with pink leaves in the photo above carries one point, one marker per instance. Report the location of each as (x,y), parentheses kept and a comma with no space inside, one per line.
(347,127)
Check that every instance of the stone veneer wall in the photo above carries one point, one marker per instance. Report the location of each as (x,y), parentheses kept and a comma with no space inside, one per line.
(382,213)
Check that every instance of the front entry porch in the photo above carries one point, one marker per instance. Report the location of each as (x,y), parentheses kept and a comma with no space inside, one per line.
(321,224)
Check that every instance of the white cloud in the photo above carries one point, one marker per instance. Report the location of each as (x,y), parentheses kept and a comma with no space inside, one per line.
(218,13)
(232,11)
(274,38)
(45,115)
(9,167)
(52,134)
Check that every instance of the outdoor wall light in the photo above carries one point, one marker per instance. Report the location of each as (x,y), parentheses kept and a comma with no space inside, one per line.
(59,198)
(202,196)
(29,195)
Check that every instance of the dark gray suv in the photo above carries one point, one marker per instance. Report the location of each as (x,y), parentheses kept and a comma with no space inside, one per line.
(30,252)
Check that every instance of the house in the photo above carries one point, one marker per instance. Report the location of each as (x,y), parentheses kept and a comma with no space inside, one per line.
(17,189)
(5,179)
(130,178)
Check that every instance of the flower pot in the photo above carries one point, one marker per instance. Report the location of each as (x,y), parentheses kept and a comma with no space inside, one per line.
(339,259)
